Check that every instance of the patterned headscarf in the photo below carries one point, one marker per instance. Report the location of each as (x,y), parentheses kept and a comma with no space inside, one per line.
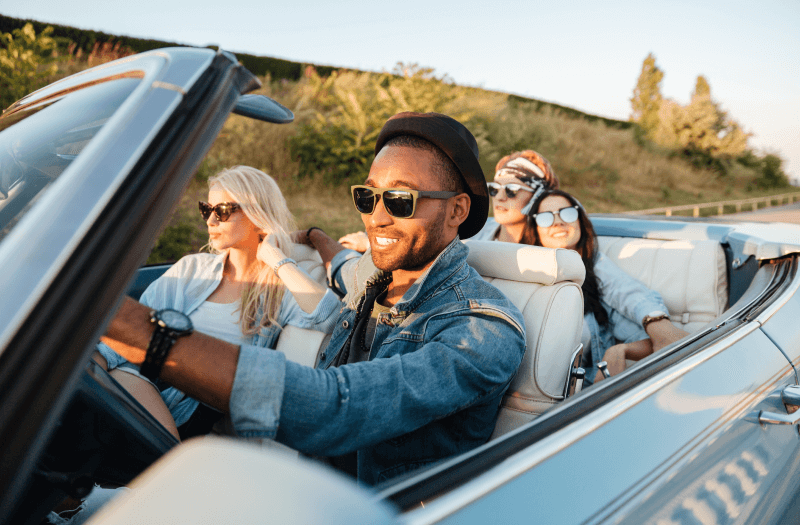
(530,168)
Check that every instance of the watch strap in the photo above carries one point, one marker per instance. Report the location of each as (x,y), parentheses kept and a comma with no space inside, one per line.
(160,344)
(652,319)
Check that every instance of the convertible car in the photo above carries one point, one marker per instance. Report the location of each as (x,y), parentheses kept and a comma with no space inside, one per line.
(703,432)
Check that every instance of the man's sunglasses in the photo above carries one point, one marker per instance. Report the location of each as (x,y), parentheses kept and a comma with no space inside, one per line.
(546,219)
(400,204)
(510,189)
(223,210)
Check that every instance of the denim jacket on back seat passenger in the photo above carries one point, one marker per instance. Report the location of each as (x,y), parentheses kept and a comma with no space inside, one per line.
(439,364)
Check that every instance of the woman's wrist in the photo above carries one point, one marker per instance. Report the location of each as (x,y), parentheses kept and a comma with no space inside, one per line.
(308,234)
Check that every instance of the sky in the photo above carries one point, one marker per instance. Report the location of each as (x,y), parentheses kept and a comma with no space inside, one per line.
(582,54)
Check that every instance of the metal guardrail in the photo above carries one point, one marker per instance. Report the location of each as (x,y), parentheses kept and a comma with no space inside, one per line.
(720,206)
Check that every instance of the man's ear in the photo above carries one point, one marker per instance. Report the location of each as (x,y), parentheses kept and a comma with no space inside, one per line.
(458,210)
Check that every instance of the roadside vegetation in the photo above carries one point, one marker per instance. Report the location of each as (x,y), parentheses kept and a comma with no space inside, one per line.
(665,155)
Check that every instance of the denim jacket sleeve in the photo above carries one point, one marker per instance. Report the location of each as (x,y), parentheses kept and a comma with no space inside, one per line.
(342,267)
(338,410)
(621,292)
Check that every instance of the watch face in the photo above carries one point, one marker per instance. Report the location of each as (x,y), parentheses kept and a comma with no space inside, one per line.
(175,320)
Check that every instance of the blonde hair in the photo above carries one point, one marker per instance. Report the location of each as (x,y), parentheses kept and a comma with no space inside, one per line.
(262,202)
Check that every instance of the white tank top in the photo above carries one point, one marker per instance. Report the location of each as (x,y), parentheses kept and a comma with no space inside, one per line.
(220,320)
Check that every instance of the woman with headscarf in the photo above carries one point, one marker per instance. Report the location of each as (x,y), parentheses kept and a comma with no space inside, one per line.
(518,180)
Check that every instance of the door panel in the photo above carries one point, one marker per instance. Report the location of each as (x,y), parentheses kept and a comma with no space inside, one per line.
(677,449)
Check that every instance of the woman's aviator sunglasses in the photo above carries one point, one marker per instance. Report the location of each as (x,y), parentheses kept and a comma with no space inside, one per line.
(400,204)
(510,189)
(546,219)
(223,210)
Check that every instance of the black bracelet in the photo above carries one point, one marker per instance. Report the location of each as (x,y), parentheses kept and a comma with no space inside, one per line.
(308,232)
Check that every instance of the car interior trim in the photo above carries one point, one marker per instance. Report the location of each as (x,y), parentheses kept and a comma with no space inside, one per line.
(780,301)
(167,85)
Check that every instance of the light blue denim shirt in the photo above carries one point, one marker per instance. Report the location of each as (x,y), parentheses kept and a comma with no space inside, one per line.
(626,300)
(438,366)
(187,284)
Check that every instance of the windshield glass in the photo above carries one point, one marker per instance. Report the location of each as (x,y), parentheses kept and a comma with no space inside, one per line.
(38,142)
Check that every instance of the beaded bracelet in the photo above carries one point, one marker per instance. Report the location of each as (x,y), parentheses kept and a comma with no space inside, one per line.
(280,263)
(308,232)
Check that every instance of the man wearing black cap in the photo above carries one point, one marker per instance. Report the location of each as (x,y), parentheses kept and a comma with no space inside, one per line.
(423,348)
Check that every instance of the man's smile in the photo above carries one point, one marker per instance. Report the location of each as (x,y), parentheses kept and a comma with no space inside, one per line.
(385,241)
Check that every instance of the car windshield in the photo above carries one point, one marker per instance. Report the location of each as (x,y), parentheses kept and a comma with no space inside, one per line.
(38,142)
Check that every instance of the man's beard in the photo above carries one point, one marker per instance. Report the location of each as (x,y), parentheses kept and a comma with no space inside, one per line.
(415,256)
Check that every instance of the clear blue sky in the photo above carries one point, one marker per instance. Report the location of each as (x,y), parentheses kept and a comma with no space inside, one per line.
(583,54)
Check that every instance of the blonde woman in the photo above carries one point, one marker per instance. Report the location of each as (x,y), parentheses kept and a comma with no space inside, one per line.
(238,292)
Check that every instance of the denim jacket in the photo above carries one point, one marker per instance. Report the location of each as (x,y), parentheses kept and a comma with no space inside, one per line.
(186,285)
(440,361)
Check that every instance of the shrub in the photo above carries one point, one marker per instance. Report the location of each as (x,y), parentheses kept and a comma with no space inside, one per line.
(348,109)
(175,241)
(26,62)
(772,175)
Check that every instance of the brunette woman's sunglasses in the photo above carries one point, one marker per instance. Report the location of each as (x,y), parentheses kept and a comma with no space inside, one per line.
(223,210)
(546,219)
(511,190)
(398,203)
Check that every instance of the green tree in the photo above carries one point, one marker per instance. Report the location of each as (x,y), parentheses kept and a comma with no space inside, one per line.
(701,129)
(26,62)
(701,120)
(646,100)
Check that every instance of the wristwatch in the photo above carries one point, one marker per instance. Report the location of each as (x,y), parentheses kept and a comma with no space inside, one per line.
(652,317)
(170,325)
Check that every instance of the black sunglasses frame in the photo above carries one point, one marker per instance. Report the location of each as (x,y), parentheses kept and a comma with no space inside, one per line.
(223,210)
(535,216)
(379,192)
(495,187)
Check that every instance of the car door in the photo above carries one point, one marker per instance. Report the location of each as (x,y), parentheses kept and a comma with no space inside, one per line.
(683,444)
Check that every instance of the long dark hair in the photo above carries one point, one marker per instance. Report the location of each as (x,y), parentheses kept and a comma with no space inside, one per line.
(587,248)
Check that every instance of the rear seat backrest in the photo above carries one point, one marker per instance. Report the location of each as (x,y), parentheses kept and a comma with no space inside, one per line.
(545,285)
(690,275)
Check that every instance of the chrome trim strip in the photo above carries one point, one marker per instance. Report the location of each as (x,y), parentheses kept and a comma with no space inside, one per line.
(167,85)
(740,312)
(524,460)
(784,297)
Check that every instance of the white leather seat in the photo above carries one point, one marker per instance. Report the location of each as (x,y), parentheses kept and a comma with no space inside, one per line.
(302,345)
(545,285)
(691,276)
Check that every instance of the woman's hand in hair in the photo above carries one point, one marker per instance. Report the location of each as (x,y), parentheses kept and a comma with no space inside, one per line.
(268,251)
(357,241)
